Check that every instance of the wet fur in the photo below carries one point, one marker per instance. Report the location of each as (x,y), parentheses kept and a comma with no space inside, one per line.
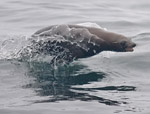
(105,40)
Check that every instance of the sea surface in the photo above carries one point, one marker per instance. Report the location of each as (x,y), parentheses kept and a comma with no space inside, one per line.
(107,83)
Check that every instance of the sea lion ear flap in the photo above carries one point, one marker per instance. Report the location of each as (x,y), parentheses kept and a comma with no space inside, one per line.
(115,42)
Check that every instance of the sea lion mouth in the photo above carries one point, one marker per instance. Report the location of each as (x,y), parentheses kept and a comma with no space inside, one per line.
(129,49)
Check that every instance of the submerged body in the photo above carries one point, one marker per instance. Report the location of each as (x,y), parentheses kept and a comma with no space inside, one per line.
(80,41)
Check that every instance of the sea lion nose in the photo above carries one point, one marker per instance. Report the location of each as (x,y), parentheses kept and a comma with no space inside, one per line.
(133,45)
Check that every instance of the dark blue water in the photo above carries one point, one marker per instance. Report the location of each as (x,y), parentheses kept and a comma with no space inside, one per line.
(107,83)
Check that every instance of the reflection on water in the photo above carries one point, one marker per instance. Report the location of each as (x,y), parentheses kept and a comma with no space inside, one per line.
(59,84)
(126,70)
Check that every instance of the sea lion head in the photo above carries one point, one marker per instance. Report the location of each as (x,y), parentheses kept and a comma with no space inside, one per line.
(123,44)
(112,41)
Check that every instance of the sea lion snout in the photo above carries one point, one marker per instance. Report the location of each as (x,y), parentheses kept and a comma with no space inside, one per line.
(133,45)
(130,46)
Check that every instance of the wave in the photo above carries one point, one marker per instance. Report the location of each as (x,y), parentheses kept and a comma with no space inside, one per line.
(49,48)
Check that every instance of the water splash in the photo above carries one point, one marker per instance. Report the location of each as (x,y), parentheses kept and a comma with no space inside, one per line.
(10,48)
(61,44)
(57,45)
(89,24)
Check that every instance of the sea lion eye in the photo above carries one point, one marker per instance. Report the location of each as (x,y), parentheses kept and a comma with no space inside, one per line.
(123,43)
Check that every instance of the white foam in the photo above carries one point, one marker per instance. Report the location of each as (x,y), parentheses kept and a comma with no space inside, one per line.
(89,24)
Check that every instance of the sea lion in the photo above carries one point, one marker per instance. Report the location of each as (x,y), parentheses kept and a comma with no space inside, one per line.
(81,41)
